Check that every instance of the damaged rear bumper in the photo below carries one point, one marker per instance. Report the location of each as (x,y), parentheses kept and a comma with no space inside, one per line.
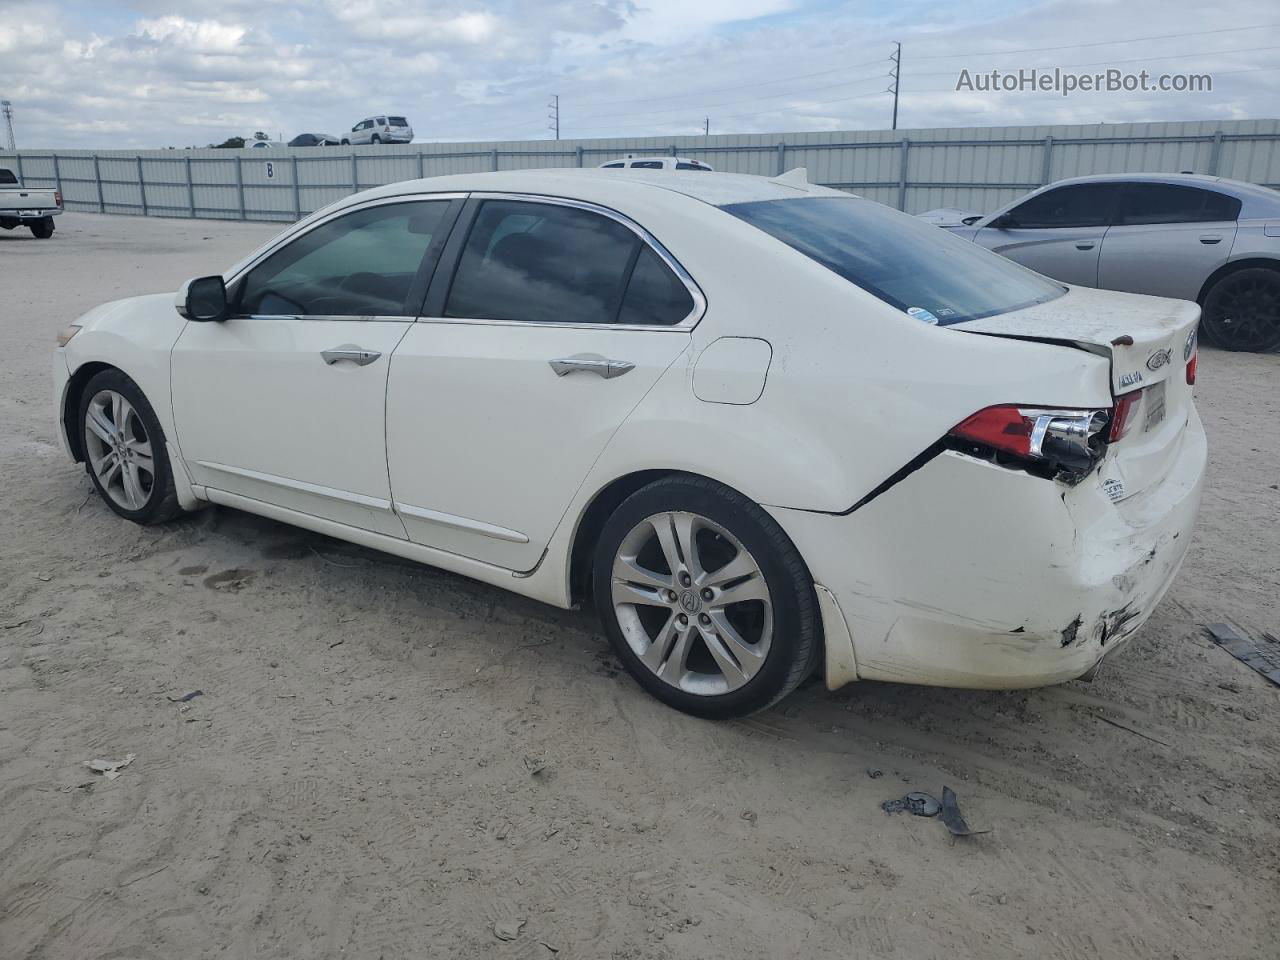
(968,574)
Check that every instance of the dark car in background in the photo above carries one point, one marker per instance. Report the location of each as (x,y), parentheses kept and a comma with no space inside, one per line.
(315,140)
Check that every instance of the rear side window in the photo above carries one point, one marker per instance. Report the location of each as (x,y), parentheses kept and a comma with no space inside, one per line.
(547,263)
(1076,205)
(647,165)
(692,166)
(397,121)
(6,176)
(1174,203)
(359,265)
(929,273)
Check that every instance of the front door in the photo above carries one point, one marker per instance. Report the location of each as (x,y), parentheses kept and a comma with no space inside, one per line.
(558,321)
(1058,233)
(285,402)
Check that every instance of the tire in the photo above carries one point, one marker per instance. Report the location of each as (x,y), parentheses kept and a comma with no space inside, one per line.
(346,142)
(109,429)
(1242,310)
(730,657)
(375,140)
(43,229)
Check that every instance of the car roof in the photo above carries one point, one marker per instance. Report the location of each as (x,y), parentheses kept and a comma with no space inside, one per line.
(596,185)
(1260,201)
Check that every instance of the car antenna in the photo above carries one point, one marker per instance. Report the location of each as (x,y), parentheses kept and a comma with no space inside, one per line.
(797,177)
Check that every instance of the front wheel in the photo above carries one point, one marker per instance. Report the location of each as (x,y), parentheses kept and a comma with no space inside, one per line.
(43,229)
(705,599)
(124,450)
(1242,310)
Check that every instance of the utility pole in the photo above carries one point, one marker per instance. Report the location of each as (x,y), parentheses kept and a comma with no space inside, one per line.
(554,115)
(896,57)
(706,127)
(7,108)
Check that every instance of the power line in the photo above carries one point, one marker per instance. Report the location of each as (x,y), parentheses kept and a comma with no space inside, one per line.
(1098,43)
(1103,63)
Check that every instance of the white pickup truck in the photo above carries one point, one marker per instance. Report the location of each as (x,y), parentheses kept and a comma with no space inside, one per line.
(33,207)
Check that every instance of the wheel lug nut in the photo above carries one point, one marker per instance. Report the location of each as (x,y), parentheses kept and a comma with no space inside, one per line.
(684,580)
(707,594)
(684,621)
(704,618)
(671,596)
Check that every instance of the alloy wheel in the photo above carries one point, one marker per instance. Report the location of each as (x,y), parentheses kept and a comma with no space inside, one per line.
(692,603)
(119,450)
(1245,314)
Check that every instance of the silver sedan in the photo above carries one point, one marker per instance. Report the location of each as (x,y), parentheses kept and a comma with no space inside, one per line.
(1205,239)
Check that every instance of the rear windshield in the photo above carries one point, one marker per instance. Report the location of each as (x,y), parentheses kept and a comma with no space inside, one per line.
(397,121)
(921,269)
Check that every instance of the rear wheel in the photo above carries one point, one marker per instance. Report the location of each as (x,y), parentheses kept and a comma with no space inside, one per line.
(705,599)
(1242,310)
(43,229)
(124,450)
(346,142)
(376,139)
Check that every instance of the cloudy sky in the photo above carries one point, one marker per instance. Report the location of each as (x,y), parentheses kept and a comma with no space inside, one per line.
(154,73)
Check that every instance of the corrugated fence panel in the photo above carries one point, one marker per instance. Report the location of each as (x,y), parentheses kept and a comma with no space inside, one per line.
(977,168)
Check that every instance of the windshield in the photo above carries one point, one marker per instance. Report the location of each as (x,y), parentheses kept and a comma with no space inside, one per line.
(921,269)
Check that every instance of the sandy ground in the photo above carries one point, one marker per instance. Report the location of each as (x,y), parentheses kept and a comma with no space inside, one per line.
(356,779)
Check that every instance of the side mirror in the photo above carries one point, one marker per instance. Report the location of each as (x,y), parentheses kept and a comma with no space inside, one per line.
(203,299)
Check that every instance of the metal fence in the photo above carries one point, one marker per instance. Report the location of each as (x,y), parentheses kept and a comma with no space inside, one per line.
(913,170)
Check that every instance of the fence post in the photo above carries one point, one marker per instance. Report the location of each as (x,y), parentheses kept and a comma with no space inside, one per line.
(297,194)
(673,150)
(21,179)
(782,158)
(142,187)
(240,188)
(97,179)
(1046,161)
(902,176)
(493,160)
(355,182)
(57,176)
(421,168)
(1215,154)
(191,190)
(579,152)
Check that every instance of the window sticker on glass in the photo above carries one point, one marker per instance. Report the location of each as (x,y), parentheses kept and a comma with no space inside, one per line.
(921,314)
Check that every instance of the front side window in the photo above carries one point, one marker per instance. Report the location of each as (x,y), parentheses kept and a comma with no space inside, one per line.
(1174,203)
(1076,205)
(547,263)
(931,274)
(359,265)
(614,166)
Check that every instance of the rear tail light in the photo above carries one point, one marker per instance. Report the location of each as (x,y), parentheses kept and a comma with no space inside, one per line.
(57,198)
(1122,415)
(1191,368)
(1061,443)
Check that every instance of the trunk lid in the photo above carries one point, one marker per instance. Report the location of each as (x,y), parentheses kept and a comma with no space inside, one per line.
(1149,341)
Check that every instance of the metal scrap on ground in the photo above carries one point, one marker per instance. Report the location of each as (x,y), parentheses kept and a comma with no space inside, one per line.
(1245,650)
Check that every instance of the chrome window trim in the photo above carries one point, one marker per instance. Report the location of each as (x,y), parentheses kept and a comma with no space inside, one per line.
(289,237)
(690,321)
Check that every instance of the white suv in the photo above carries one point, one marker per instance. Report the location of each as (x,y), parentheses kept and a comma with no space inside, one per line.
(382,129)
(657,163)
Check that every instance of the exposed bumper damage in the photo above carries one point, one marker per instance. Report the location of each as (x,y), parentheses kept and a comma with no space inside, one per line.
(971,575)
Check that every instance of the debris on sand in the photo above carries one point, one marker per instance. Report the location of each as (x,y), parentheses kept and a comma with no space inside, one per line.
(950,816)
(507,929)
(110,768)
(916,803)
(187,697)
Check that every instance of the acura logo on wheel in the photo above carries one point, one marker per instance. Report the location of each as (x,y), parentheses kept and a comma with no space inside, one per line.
(689,600)
(1159,359)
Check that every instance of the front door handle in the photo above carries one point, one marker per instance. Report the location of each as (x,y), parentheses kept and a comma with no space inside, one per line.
(1210,238)
(349,351)
(1085,245)
(591,363)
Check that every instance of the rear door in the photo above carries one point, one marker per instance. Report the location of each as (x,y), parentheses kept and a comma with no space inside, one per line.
(557,319)
(1058,232)
(1167,239)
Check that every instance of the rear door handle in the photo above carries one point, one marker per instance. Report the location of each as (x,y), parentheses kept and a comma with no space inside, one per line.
(1085,244)
(349,351)
(591,363)
(1210,238)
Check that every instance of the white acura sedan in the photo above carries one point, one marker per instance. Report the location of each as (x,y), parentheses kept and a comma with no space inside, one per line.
(766,427)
